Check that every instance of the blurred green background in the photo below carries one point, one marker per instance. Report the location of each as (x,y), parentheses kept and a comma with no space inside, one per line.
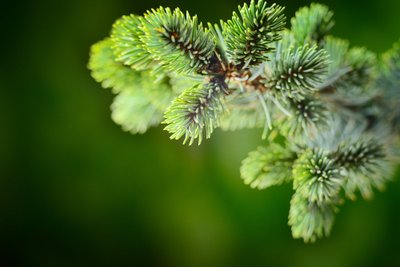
(75,190)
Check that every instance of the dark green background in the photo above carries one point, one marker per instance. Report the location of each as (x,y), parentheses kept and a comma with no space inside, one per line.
(75,190)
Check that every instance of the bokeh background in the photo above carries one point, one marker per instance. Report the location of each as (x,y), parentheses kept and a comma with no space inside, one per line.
(75,190)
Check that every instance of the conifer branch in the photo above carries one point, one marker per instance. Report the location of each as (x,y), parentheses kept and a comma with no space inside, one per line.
(196,112)
(312,24)
(310,220)
(107,71)
(389,83)
(365,164)
(170,34)
(337,50)
(320,100)
(361,63)
(250,35)
(298,71)
(134,112)
(308,114)
(267,166)
(316,176)
(359,154)
(127,44)
(140,102)
(350,67)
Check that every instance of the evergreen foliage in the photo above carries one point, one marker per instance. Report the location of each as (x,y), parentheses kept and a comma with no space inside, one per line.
(250,35)
(389,81)
(312,24)
(310,220)
(107,71)
(316,177)
(127,44)
(331,112)
(196,112)
(268,166)
(178,41)
(308,113)
(298,71)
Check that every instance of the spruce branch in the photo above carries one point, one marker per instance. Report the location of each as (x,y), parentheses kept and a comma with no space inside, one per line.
(310,220)
(365,164)
(331,111)
(250,35)
(392,61)
(267,166)
(390,69)
(337,50)
(316,177)
(127,44)
(140,102)
(361,63)
(298,72)
(178,41)
(389,83)
(108,72)
(196,112)
(134,112)
(359,154)
(350,67)
(308,113)
(312,24)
